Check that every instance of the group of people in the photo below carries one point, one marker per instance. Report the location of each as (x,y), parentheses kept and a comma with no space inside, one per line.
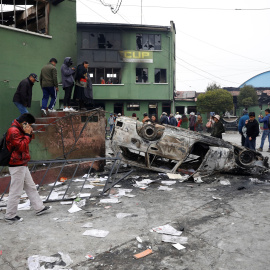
(71,76)
(249,129)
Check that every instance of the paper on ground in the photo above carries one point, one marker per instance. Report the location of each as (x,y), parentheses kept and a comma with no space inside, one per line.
(123,215)
(130,195)
(174,239)
(56,184)
(67,202)
(84,195)
(178,246)
(168,183)
(78,180)
(88,225)
(198,180)
(24,206)
(88,186)
(225,182)
(74,208)
(125,189)
(164,188)
(114,200)
(53,196)
(138,238)
(147,181)
(167,229)
(96,233)
(174,175)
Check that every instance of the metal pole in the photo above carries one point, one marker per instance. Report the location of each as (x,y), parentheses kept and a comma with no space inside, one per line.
(26,15)
(37,15)
(14,13)
(2,12)
(141,11)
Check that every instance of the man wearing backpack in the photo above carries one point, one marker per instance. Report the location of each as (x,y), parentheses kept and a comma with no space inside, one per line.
(18,137)
(266,134)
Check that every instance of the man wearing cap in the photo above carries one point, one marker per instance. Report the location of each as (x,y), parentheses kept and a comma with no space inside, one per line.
(164,119)
(49,85)
(241,124)
(23,96)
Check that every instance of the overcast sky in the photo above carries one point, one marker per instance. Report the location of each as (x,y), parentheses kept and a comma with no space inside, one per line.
(215,42)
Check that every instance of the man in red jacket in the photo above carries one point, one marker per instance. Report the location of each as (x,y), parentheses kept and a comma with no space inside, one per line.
(18,137)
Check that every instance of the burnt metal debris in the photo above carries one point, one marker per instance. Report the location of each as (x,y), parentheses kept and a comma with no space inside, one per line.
(88,164)
(172,149)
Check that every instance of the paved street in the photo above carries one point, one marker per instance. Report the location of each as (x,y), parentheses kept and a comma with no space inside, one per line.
(226,226)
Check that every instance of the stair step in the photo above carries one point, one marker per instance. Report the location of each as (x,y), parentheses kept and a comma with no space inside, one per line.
(45,120)
(39,127)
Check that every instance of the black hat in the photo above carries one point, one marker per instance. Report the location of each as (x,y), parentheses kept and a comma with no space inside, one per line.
(53,60)
(34,76)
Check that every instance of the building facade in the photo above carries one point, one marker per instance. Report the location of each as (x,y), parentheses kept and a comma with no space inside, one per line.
(132,67)
(30,37)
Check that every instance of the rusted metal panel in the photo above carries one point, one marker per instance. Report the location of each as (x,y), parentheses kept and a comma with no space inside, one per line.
(171,149)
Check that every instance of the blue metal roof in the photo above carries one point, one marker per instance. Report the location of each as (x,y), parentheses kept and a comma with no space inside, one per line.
(260,80)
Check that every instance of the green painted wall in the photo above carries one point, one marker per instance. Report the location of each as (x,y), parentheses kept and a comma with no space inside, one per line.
(24,53)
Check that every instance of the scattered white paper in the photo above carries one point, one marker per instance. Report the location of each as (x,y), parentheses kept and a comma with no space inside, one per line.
(138,238)
(78,180)
(88,225)
(67,202)
(74,208)
(24,206)
(117,186)
(225,182)
(147,181)
(56,184)
(164,188)
(125,189)
(198,180)
(174,175)
(88,186)
(53,196)
(216,198)
(211,189)
(168,183)
(167,229)
(84,195)
(130,195)
(56,218)
(174,239)
(113,200)
(178,246)
(81,203)
(123,215)
(96,233)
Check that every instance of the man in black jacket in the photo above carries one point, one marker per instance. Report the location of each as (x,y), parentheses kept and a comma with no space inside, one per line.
(252,126)
(23,96)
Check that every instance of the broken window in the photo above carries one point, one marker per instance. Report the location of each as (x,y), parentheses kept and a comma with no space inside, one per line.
(153,109)
(105,75)
(134,106)
(166,107)
(141,75)
(160,75)
(101,40)
(30,15)
(148,42)
(192,109)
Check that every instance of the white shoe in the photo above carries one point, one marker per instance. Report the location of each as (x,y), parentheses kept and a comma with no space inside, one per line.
(51,110)
(44,112)
(72,110)
(66,109)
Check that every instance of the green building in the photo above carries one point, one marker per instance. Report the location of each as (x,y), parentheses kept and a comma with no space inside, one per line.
(30,36)
(132,66)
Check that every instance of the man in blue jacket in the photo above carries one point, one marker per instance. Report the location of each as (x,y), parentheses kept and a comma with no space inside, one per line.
(265,121)
(241,123)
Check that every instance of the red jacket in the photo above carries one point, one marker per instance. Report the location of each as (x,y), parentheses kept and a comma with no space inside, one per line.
(19,141)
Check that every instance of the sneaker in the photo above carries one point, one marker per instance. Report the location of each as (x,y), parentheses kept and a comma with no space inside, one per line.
(43,111)
(66,109)
(44,210)
(259,149)
(15,219)
(51,110)
(72,110)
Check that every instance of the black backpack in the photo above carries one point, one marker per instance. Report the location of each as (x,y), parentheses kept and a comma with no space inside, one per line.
(4,153)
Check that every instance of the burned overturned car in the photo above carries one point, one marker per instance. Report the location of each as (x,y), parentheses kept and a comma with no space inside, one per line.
(173,149)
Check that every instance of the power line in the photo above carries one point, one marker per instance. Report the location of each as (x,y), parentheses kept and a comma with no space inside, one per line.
(115,9)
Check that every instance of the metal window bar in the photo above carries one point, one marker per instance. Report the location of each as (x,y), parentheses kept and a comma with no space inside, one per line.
(14,13)
(26,15)
(110,182)
(2,12)
(37,15)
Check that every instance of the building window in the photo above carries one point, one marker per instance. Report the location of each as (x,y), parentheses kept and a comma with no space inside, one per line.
(105,75)
(148,42)
(192,109)
(32,17)
(166,107)
(141,75)
(160,75)
(101,40)
(133,106)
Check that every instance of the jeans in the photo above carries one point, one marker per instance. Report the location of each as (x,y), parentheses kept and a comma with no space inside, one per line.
(250,144)
(49,92)
(21,108)
(264,135)
(111,128)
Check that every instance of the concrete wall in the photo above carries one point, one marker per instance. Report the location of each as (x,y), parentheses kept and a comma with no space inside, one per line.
(25,52)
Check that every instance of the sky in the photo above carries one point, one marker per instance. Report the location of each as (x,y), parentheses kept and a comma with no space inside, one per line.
(222,42)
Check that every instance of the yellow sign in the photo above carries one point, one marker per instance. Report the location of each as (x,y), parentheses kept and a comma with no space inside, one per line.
(136,56)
